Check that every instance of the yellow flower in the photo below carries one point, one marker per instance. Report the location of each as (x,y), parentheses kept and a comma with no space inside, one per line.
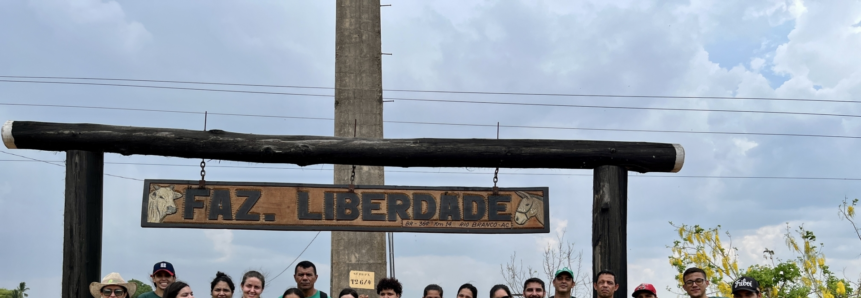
(821,261)
(841,288)
(734,266)
(851,211)
(682,232)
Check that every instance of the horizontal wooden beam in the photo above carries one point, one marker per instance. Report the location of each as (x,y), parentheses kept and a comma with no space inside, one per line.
(309,150)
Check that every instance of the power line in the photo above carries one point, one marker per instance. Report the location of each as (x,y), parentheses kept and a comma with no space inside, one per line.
(444,123)
(297,257)
(458,101)
(475,173)
(443,91)
(53,163)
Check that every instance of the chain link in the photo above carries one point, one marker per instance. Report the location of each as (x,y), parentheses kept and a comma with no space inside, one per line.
(353,175)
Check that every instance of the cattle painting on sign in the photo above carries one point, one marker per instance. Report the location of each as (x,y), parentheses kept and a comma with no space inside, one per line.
(161,203)
(301,207)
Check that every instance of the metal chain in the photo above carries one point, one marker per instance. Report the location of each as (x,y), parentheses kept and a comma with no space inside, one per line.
(496,173)
(202,183)
(202,169)
(353,175)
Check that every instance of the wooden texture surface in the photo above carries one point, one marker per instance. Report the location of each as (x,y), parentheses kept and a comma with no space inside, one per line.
(82,223)
(278,206)
(610,225)
(308,150)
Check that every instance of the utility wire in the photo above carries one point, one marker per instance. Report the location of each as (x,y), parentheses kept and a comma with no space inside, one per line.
(468,173)
(441,91)
(441,123)
(53,163)
(459,101)
(297,257)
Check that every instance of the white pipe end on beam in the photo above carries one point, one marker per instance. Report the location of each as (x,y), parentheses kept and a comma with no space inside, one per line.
(6,133)
(680,158)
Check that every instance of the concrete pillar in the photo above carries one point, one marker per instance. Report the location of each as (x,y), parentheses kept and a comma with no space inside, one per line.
(359,106)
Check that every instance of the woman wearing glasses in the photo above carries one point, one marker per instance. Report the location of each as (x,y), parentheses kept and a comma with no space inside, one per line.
(500,291)
(112,286)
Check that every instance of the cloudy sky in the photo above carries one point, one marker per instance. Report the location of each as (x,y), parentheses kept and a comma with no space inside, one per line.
(733,48)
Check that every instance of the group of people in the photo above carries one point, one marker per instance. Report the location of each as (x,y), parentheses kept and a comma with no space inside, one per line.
(695,283)
(165,285)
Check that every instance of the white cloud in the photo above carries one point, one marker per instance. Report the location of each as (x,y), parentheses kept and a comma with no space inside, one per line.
(751,247)
(222,242)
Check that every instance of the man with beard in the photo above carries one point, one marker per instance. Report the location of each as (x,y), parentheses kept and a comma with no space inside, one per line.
(605,284)
(533,288)
(696,282)
(306,276)
(162,276)
(563,282)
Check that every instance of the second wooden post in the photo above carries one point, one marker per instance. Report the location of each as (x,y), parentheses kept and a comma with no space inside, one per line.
(610,225)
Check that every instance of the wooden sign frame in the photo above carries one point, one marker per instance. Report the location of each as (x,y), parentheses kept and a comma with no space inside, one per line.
(199,213)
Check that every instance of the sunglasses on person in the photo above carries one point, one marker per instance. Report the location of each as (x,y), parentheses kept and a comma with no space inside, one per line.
(118,292)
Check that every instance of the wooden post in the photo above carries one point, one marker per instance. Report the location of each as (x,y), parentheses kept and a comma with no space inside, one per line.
(82,223)
(367,149)
(358,114)
(610,225)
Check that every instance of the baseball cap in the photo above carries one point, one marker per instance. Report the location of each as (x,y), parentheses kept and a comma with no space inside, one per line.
(564,270)
(163,266)
(645,287)
(745,284)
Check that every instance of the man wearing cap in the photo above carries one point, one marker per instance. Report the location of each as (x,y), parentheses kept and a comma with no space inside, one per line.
(645,290)
(162,276)
(746,287)
(563,282)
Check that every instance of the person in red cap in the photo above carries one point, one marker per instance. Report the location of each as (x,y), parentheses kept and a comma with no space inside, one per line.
(162,276)
(645,290)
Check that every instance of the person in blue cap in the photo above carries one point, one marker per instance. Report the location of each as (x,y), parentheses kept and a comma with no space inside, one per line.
(162,276)
(563,282)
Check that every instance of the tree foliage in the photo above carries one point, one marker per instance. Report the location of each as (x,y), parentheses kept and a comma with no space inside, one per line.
(805,274)
(846,211)
(141,287)
(5,293)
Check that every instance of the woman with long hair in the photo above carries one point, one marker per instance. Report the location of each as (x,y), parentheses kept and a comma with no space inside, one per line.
(500,291)
(467,290)
(178,289)
(222,286)
(293,293)
(348,293)
(252,284)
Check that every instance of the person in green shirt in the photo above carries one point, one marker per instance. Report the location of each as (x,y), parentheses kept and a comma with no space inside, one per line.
(306,276)
(162,276)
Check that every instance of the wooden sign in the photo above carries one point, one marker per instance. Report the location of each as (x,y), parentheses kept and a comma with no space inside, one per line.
(361,279)
(315,207)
